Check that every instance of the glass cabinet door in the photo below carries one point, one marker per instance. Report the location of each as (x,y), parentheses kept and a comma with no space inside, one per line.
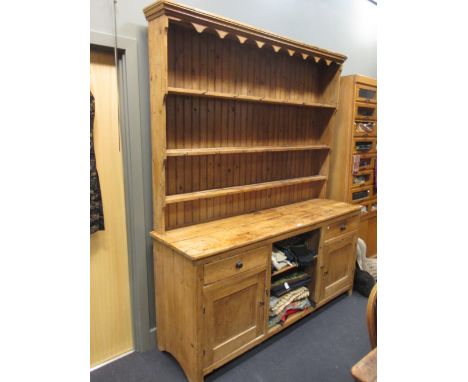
(366,93)
(365,128)
(361,194)
(364,145)
(365,111)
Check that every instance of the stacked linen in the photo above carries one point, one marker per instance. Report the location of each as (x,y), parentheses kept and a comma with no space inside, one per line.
(279,260)
(289,303)
(289,282)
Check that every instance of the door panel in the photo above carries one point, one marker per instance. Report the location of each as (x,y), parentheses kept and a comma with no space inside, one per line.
(338,265)
(234,315)
(110,314)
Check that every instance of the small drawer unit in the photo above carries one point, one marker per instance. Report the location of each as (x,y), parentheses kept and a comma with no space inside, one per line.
(365,111)
(234,265)
(339,228)
(361,194)
(369,207)
(362,178)
(363,162)
(364,145)
(366,93)
(363,128)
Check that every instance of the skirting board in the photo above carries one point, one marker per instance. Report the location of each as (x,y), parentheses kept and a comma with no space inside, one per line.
(111,360)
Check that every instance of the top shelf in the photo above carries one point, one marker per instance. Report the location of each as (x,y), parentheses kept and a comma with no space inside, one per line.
(240,97)
(202,20)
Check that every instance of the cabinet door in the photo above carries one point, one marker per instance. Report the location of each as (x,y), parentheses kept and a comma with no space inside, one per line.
(234,315)
(366,93)
(338,265)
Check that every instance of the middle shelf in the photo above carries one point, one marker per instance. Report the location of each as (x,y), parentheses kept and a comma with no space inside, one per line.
(240,150)
(240,189)
(248,98)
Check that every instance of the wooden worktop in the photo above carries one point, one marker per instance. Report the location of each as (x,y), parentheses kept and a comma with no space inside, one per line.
(208,239)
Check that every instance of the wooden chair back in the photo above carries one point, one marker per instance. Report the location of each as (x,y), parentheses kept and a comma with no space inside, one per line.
(372,317)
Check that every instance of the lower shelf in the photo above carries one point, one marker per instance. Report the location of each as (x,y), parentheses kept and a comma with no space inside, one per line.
(291,320)
(213,193)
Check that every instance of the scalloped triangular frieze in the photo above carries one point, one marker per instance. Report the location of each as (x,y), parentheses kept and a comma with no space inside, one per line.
(276,48)
(259,43)
(199,28)
(291,52)
(221,33)
(241,39)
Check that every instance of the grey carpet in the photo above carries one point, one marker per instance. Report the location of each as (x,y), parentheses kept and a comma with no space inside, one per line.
(320,348)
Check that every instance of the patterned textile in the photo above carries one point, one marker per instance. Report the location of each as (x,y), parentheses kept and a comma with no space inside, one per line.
(288,310)
(278,304)
(96,213)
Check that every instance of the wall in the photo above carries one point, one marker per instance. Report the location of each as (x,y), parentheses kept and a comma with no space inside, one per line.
(344,26)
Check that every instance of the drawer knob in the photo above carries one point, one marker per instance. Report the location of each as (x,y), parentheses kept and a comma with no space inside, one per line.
(342,227)
(239,264)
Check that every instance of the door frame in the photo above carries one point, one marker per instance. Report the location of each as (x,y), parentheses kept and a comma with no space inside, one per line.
(138,240)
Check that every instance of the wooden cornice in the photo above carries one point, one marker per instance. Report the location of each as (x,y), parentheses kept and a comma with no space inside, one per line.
(202,20)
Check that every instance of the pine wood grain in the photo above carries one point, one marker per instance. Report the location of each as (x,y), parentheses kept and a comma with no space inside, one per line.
(340,185)
(202,240)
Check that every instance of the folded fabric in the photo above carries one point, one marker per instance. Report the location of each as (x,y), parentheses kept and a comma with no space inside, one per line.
(279,259)
(289,283)
(303,255)
(278,304)
(291,308)
(280,290)
(284,246)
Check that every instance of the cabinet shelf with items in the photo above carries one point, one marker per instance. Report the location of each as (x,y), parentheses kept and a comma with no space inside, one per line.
(353,173)
(363,128)
(293,287)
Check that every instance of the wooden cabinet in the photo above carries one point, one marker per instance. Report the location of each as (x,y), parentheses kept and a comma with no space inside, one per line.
(213,280)
(234,315)
(353,165)
(338,266)
(241,128)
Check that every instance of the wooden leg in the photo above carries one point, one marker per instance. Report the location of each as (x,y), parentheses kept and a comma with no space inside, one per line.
(350,292)
(194,374)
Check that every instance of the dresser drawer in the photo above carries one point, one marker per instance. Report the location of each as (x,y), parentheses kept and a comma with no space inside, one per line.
(222,269)
(341,227)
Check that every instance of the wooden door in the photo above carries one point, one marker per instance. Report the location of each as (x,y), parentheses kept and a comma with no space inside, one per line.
(234,315)
(110,319)
(338,265)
